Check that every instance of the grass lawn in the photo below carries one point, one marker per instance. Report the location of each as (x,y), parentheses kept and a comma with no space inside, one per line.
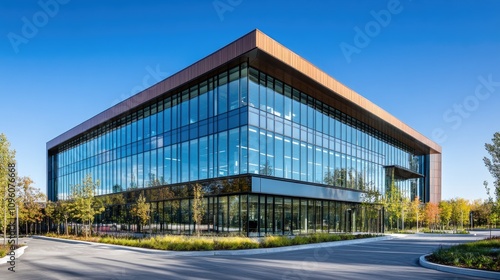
(483,254)
(5,249)
(192,243)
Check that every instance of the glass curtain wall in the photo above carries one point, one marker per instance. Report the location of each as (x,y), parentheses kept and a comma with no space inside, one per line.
(293,136)
(198,133)
(240,121)
(250,214)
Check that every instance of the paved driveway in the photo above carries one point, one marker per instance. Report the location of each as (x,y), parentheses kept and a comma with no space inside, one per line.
(390,259)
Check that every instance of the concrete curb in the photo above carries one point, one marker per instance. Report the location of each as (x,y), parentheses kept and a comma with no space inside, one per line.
(234,252)
(458,270)
(446,234)
(18,252)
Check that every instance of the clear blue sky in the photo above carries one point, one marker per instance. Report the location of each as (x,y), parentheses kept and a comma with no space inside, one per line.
(65,63)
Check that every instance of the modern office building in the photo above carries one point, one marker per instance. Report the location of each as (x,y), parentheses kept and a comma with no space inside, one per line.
(279,147)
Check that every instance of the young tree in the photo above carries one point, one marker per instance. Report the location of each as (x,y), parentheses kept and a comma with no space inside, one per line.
(50,208)
(85,205)
(460,210)
(445,210)
(64,212)
(415,211)
(31,200)
(431,214)
(141,210)
(404,206)
(394,201)
(491,208)
(59,212)
(493,163)
(7,159)
(372,203)
(198,207)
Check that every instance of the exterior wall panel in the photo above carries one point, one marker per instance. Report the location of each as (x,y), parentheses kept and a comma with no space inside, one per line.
(435,178)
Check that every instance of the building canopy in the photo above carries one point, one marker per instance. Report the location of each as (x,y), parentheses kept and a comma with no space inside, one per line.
(401,173)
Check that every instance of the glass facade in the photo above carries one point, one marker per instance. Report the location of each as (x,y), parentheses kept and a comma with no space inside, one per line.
(254,214)
(238,123)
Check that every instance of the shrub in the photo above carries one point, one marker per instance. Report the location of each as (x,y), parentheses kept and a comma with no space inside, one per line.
(234,243)
(4,250)
(203,243)
(481,254)
(299,240)
(276,241)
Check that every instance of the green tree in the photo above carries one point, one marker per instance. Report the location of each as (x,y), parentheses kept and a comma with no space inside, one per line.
(491,207)
(58,212)
(31,201)
(460,210)
(445,210)
(50,208)
(493,166)
(415,211)
(372,202)
(85,204)
(198,207)
(404,206)
(7,159)
(141,210)
(63,212)
(481,213)
(396,204)
(493,163)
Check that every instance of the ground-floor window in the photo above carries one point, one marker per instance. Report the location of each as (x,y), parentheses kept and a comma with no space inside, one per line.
(251,215)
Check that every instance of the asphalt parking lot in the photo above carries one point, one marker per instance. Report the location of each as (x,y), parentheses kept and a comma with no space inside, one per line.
(389,259)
